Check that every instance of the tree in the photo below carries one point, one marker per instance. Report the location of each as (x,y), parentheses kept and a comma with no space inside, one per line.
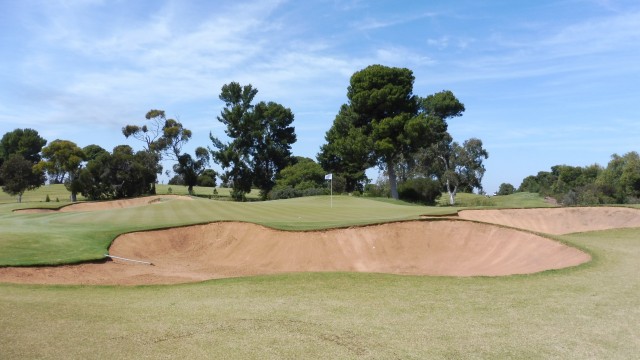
(177,179)
(190,169)
(622,174)
(443,105)
(207,178)
(383,101)
(121,174)
(63,157)
(91,152)
(461,166)
(19,175)
(24,142)
(261,138)
(392,124)
(272,143)
(163,136)
(506,189)
(424,163)
(303,174)
(348,151)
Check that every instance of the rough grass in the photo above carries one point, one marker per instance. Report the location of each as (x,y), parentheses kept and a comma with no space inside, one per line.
(517,200)
(59,192)
(590,311)
(55,192)
(587,312)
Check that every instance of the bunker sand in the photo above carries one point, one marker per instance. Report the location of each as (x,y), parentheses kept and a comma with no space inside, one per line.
(232,249)
(558,221)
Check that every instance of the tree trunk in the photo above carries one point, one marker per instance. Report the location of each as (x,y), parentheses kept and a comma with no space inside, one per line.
(452,193)
(74,197)
(393,182)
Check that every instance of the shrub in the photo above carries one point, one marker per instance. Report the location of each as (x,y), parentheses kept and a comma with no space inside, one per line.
(376,190)
(424,191)
(570,198)
(286,192)
(47,199)
(506,189)
(315,192)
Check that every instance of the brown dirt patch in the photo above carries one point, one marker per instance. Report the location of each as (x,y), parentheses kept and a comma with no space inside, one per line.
(107,205)
(559,220)
(228,249)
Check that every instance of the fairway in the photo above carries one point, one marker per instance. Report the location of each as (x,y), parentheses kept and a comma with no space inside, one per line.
(307,307)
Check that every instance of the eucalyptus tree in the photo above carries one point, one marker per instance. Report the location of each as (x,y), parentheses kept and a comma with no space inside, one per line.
(62,159)
(161,137)
(190,168)
(460,166)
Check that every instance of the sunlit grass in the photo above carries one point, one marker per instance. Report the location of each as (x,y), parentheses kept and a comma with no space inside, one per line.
(587,312)
(58,238)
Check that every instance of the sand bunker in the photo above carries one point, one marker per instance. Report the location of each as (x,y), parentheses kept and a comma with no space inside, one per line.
(107,205)
(219,250)
(559,220)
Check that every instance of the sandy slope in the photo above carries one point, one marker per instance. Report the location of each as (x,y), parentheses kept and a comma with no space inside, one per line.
(559,220)
(107,205)
(229,249)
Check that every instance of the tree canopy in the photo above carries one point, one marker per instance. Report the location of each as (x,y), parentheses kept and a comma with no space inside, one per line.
(119,174)
(190,168)
(24,142)
(260,140)
(60,158)
(161,135)
(19,175)
(461,166)
(618,183)
(383,123)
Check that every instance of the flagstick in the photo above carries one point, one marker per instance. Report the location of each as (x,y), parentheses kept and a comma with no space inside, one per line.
(331,190)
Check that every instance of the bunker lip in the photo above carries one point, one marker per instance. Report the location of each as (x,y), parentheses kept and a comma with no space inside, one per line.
(558,221)
(106,205)
(233,249)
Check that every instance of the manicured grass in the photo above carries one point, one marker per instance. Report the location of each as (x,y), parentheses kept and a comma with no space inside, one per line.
(58,238)
(581,313)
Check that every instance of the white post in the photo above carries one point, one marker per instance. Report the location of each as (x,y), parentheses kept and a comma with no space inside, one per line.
(330,178)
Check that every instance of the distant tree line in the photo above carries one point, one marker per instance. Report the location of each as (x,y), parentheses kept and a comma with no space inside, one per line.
(382,124)
(618,183)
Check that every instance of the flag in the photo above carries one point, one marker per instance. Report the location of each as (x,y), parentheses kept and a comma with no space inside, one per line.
(328,177)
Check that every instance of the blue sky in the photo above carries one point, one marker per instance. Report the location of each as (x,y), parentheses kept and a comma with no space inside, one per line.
(543,82)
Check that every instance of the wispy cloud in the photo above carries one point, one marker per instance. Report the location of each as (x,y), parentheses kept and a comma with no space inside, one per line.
(372,23)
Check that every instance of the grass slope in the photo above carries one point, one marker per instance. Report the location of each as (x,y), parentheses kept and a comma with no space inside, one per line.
(60,193)
(58,238)
(581,313)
